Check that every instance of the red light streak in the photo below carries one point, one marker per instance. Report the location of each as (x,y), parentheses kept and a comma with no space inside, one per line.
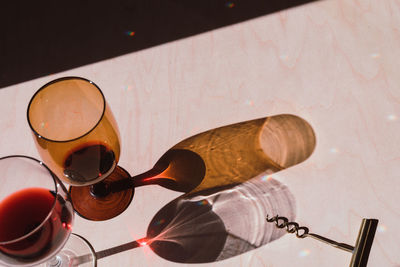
(143,242)
(160,176)
(150,179)
(67,226)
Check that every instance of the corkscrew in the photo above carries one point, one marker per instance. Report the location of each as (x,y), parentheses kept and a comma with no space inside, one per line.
(361,249)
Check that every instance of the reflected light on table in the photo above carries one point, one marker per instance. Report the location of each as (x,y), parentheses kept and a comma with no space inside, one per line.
(304,253)
(392,117)
(382,228)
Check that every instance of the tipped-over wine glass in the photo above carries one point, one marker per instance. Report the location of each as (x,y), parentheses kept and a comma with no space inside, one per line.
(77,137)
(36,217)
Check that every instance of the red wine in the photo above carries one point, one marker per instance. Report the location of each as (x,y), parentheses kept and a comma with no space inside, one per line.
(37,220)
(88,162)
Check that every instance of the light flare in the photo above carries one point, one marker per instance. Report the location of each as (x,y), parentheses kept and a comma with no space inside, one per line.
(375,55)
(266,178)
(334,150)
(127,88)
(382,228)
(250,102)
(392,117)
(304,253)
(203,202)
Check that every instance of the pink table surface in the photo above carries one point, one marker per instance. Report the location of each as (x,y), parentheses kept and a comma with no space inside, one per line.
(334,63)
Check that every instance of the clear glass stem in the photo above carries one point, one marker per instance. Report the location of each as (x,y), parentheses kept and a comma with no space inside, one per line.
(54,262)
(63,259)
(76,252)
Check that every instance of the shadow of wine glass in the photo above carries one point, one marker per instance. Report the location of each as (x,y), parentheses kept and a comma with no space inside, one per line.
(219,223)
(234,154)
(225,173)
(214,224)
(223,215)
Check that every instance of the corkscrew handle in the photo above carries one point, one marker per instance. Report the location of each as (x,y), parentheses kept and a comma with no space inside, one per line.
(364,242)
(360,251)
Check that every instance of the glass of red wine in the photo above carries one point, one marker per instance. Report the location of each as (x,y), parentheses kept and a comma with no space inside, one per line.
(36,217)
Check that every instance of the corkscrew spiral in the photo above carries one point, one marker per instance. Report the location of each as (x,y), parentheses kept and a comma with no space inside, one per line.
(291,227)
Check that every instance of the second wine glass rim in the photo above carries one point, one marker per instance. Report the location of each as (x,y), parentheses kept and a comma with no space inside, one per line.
(56,182)
(58,80)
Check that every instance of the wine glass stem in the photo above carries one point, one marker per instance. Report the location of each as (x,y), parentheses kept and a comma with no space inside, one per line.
(102,188)
(60,260)
(55,261)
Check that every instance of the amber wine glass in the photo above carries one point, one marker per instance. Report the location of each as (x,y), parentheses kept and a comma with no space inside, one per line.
(77,136)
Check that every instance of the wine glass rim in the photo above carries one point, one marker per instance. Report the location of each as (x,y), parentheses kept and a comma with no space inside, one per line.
(59,80)
(53,205)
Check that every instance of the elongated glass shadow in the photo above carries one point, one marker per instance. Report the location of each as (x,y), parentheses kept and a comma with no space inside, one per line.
(225,213)
(220,157)
(219,223)
(236,153)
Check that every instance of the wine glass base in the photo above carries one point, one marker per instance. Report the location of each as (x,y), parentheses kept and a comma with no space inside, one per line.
(100,208)
(77,251)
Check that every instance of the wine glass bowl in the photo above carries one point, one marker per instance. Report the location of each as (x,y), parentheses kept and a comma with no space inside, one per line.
(36,215)
(74,130)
